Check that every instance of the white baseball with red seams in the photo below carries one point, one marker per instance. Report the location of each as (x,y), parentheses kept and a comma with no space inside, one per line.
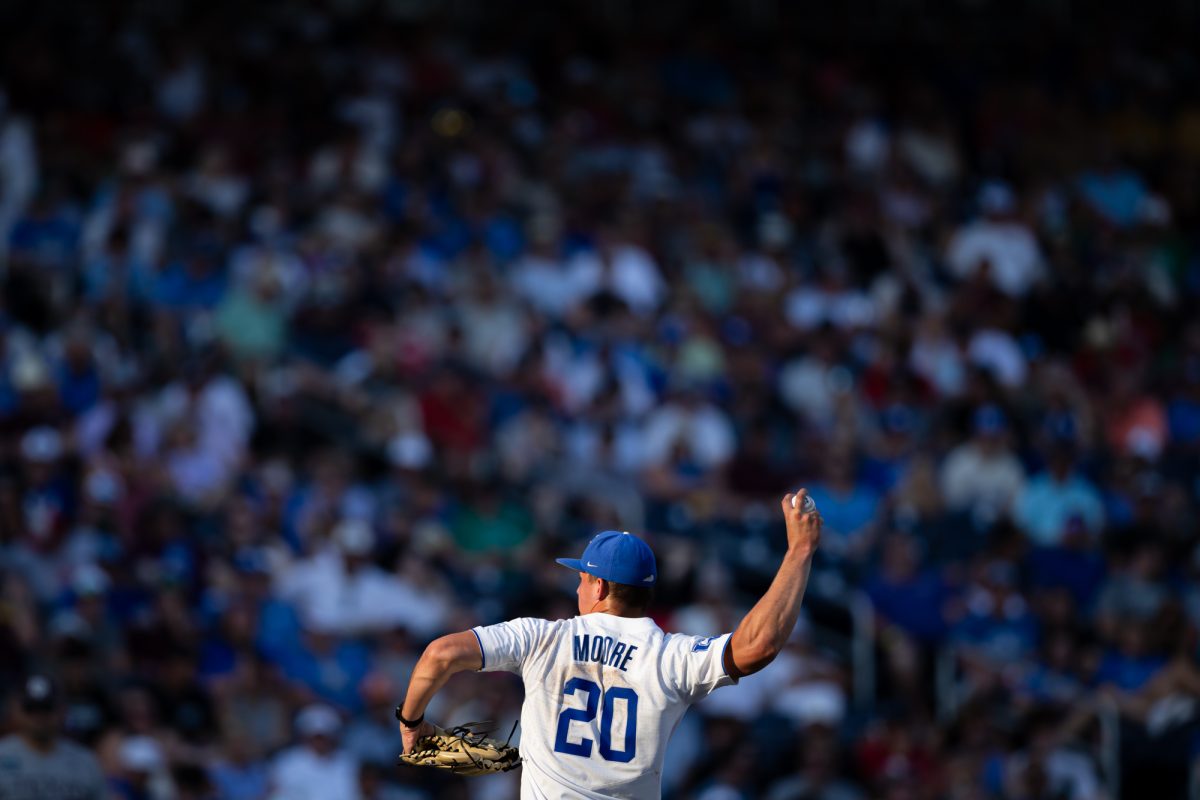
(809,505)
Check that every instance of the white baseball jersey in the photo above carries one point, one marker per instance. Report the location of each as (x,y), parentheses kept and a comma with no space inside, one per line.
(603,694)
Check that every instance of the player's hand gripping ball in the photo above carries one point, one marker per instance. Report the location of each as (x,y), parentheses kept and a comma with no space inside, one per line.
(808,507)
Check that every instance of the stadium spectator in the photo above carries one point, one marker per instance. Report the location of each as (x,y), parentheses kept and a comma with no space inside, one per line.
(316,767)
(38,761)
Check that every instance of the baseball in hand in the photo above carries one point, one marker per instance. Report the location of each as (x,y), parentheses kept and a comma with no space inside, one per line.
(809,505)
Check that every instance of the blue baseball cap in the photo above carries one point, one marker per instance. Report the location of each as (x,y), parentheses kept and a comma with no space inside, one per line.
(989,420)
(617,556)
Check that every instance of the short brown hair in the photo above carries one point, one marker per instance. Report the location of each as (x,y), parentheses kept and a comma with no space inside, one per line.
(631,598)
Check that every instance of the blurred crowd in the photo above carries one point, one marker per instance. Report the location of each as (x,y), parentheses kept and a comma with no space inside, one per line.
(322,333)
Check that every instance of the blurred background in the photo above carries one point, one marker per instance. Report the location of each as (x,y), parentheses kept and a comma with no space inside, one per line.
(327,325)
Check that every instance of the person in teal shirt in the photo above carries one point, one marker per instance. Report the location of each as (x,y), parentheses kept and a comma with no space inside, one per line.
(491,523)
(1053,498)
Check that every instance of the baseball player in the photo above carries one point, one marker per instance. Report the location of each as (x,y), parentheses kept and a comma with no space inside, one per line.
(605,690)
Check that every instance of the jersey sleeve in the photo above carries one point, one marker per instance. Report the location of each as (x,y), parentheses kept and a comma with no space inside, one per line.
(697,665)
(507,646)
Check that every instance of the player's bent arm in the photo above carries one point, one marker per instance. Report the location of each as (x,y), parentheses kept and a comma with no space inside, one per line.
(451,654)
(764,631)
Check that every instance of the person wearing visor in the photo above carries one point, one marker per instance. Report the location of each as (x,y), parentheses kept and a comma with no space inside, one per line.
(605,690)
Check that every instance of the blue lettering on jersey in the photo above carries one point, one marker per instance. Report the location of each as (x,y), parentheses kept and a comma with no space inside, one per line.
(628,655)
(584,746)
(600,647)
(581,647)
(593,695)
(602,650)
(702,645)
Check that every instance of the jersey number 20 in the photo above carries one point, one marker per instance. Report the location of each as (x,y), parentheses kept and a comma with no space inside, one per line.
(610,698)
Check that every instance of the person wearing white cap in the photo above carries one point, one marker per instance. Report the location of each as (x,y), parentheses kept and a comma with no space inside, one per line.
(1000,241)
(341,590)
(316,768)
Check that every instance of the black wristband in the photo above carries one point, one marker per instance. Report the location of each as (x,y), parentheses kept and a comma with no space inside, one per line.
(408,723)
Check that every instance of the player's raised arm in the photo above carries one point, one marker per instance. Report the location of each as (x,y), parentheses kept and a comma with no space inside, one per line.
(453,653)
(765,629)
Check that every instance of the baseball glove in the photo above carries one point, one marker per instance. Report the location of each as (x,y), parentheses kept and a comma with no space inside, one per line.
(464,750)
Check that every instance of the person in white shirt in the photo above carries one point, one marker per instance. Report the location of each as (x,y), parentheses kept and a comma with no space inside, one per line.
(339,589)
(691,421)
(316,769)
(982,475)
(605,690)
(1000,242)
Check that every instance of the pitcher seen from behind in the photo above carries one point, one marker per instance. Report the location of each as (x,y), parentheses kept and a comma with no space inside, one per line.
(605,690)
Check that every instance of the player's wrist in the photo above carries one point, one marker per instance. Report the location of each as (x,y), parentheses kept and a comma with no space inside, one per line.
(801,551)
(409,722)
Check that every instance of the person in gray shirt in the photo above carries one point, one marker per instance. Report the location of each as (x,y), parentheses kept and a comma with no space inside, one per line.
(36,763)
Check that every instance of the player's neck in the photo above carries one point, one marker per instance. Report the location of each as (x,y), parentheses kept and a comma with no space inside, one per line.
(617,611)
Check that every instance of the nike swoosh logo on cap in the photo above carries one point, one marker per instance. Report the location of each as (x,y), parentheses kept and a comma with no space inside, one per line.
(648,579)
(590,564)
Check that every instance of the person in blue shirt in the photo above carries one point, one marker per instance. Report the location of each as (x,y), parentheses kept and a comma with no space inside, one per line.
(78,375)
(330,667)
(1183,411)
(998,630)
(1055,497)
(1133,662)
(1054,680)
(276,623)
(1075,565)
(1115,193)
(906,595)
(884,468)
(196,282)
(848,508)
(48,234)
(242,775)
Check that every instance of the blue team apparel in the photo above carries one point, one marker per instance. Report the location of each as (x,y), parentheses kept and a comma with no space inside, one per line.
(617,556)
